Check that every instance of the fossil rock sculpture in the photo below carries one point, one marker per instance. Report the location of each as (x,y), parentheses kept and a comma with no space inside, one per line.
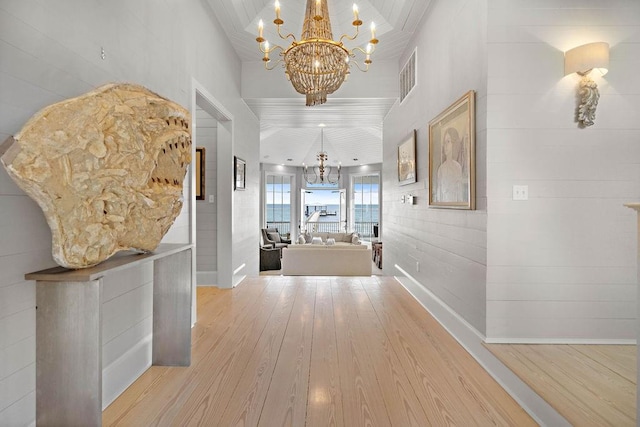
(106,168)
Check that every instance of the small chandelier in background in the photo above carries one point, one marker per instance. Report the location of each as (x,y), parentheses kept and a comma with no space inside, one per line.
(321,173)
(316,65)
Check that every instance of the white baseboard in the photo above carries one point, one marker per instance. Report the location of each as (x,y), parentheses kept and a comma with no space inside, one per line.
(472,340)
(125,370)
(558,341)
(207,278)
(237,278)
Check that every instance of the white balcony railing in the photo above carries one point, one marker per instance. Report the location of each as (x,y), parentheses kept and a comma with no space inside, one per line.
(325,226)
(283,227)
(363,228)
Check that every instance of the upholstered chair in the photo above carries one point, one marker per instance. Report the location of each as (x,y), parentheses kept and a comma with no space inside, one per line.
(271,237)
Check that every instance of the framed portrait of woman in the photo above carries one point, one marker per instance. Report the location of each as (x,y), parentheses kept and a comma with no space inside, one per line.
(452,156)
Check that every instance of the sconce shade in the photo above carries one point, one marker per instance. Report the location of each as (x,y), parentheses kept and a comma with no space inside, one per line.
(587,57)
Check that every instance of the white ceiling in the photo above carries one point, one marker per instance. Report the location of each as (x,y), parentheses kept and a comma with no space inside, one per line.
(289,129)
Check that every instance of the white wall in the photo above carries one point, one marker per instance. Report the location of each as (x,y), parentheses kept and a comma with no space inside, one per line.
(444,250)
(50,51)
(562,264)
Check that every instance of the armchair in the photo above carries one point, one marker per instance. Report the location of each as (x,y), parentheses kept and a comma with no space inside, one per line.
(271,237)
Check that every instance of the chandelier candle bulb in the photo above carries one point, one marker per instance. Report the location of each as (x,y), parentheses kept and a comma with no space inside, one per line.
(260,39)
(356,19)
(277,9)
(266,51)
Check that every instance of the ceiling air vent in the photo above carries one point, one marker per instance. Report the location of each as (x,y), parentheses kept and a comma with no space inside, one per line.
(408,76)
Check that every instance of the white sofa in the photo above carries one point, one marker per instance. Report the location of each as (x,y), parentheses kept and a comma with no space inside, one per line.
(322,260)
(340,239)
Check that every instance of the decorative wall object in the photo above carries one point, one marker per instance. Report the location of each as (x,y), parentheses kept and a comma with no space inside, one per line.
(408,76)
(239,173)
(200,162)
(407,160)
(452,156)
(106,168)
(584,60)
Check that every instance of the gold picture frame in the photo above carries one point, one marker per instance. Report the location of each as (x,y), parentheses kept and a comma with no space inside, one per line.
(452,182)
(407,160)
(200,161)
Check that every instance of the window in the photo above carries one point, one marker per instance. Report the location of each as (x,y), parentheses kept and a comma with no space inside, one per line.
(365,208)
(278,202)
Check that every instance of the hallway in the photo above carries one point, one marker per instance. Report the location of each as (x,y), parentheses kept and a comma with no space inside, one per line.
(317,351)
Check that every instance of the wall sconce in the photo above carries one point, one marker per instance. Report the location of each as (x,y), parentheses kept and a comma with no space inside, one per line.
(582,60)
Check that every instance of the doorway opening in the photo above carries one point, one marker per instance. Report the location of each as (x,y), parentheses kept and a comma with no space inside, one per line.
(323,210)
(215,124)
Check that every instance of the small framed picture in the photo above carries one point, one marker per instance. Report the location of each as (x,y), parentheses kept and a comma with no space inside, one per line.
(240,173)
(452,160)
(200,159)
(407,160)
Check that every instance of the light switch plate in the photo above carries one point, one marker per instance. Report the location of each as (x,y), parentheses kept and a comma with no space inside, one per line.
(520,192)
(212,198)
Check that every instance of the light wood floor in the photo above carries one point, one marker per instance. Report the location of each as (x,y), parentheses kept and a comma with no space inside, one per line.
(317,351)
(590,385)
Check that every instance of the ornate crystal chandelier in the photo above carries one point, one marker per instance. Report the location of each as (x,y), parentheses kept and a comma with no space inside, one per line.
(316,65)
(321,173)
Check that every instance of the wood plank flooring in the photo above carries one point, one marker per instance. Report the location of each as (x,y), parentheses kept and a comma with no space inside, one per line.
(590,385)
(317,351)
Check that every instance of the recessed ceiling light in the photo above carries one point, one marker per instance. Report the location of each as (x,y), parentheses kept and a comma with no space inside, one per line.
(322,125)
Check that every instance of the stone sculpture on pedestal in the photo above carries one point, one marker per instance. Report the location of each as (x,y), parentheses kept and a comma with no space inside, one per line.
(107,169)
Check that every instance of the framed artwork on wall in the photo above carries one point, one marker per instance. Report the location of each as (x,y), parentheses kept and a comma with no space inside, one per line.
(200,159)
(239,174)
(407,160)
(452,156)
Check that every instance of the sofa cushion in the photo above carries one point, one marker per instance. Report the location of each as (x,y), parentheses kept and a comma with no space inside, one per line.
(275,237)
(307,237)
(316,241)
(323,236)
(338,237)
(355,239)
(301,239)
